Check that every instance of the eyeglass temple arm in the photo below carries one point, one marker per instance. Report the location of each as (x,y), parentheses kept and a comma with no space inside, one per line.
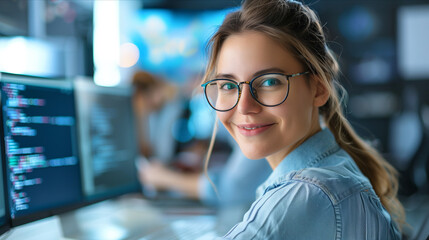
(298,74)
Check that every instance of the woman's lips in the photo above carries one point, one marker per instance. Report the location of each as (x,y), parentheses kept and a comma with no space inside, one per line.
(253,129)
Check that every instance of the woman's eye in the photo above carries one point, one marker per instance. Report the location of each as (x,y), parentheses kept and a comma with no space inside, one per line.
(270,82)
(228,86)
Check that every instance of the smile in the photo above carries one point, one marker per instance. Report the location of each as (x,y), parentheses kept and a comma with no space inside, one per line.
(253,129)
(250,128)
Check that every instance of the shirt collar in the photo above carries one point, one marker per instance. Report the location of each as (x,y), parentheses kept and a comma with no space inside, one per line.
(305,155)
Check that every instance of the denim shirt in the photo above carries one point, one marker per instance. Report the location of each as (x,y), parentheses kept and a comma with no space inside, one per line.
(316,192)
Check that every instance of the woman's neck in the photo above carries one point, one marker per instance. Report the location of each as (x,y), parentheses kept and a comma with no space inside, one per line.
(275,159)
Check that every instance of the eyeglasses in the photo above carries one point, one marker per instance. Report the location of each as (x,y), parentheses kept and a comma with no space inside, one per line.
(270,90)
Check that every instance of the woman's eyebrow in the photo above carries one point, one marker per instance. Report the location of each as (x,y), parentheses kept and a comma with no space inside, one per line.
(268,70)
(260,72)
(224,75)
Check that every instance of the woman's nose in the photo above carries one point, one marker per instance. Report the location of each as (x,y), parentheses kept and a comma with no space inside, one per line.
(247,104)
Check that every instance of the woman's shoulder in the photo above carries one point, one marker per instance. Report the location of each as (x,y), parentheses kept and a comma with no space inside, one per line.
(338,183)
(285,211)
(321,195)
(347,194)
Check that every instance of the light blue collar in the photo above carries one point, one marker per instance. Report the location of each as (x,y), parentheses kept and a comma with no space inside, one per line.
(306,155)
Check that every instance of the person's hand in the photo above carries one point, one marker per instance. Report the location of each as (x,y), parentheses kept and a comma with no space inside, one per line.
(157,175)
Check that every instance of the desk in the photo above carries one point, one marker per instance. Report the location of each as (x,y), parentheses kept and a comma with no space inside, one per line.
(128,217)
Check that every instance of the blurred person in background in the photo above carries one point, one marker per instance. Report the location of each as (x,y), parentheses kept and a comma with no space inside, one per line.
(156,105)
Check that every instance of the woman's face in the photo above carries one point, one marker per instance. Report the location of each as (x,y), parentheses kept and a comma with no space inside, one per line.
(267,132)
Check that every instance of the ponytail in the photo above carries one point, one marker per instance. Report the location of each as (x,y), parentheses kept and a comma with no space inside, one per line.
(382,175)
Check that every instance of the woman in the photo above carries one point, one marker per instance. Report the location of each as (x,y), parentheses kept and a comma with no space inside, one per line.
(272,80)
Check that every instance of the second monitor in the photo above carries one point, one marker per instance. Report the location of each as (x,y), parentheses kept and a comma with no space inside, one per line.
(107,140)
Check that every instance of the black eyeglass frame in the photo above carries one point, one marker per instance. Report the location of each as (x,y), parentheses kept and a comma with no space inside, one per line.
(204,85)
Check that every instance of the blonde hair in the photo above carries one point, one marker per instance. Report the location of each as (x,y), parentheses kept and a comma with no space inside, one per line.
(297,28)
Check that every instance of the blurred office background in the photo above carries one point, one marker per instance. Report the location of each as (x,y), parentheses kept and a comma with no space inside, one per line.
(383,49)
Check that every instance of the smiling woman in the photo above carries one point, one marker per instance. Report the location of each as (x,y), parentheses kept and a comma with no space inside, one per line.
(272,80)
(262,131)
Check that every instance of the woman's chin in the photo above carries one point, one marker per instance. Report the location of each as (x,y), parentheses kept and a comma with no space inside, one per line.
(251,154)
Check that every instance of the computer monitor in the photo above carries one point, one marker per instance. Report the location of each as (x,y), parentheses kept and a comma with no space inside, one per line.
(107,138)
(40,149)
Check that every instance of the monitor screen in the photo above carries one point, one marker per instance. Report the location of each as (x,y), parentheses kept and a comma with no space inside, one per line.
(108,145)
(41,155)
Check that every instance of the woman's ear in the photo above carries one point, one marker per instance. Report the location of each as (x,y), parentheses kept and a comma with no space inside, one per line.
(321,94)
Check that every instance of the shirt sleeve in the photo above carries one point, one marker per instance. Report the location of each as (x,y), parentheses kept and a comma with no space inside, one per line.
(293,210)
